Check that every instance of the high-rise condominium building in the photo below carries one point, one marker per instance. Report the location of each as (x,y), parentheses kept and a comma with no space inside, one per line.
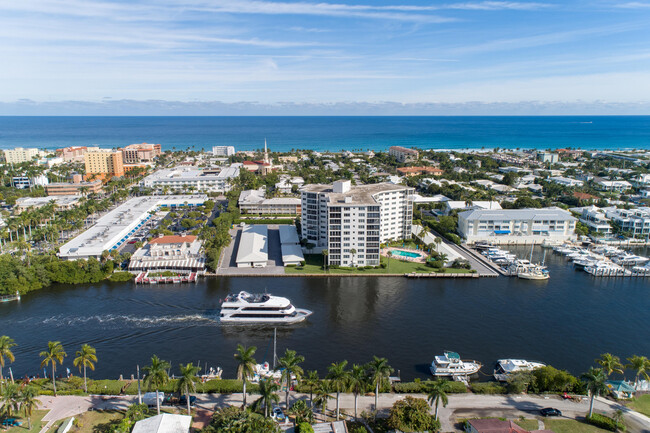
(223,150)
(19,154)
(137,153)
(104,163)
(350,222)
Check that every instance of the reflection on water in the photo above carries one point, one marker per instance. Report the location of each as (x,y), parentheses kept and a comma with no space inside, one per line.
(567,321)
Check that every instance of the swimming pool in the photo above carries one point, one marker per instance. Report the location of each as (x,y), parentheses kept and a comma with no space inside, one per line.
(405,254)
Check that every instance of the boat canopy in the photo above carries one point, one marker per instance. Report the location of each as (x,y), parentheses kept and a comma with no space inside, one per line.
(452,355)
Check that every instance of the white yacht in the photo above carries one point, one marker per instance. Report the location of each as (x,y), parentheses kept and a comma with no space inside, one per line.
(450,364)
(507,367)
(246,308)
(534,273)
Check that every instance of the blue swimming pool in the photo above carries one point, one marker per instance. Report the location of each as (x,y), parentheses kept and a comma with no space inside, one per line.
(405,254)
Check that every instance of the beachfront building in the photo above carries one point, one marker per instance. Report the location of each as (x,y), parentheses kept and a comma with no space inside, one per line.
(634,221)
(76,187)
(20,155)
(253,201)
(595,219)
(253,251)
(75,154)
(114,229)
(189,179)
(523,226)
(139,153)
(62,202)
(223,150)
(403,154)
(613,185)
(178,253)
(350,222)
(104,164)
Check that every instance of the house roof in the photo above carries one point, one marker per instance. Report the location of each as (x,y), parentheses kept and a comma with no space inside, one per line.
(164,423)
(173,239)
(253,244)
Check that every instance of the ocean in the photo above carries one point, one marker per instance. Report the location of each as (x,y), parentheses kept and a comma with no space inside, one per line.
(331,133)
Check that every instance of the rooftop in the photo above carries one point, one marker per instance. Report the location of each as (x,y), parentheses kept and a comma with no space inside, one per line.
(360,194)
(164,423)
(173,239)
(554,213)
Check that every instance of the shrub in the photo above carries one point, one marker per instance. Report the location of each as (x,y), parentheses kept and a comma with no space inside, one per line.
(359,429)
(549,379)
(383,265)
(488,388)
(412,415)
(604,422)
(423,386)
(120,277)
(304,427)
(292,265)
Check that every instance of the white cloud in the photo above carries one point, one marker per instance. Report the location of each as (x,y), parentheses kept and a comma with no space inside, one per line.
(633,5)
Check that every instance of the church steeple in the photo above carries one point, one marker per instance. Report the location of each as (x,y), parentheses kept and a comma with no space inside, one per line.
(266,153)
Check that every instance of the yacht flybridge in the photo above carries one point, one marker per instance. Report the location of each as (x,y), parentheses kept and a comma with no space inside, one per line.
(450,364)
(246,308)
(506,367)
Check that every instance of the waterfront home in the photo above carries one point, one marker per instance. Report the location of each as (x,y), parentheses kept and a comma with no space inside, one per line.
(596,220)
(522,226)
(621,388)
(164,423)
(635,221)
(181,253)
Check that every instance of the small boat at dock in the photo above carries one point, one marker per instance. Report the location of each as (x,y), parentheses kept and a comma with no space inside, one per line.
(450,365)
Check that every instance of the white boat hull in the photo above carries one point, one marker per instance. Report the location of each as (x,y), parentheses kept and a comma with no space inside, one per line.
(299,317)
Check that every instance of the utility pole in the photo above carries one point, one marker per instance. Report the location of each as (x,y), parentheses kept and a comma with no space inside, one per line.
(275,340)
(139,392)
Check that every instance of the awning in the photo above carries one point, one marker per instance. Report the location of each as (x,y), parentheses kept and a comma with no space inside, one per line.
(502,232)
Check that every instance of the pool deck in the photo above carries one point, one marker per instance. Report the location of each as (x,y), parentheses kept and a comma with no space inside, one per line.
(422,255)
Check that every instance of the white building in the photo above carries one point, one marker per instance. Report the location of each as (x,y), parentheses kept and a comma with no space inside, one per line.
(403,154)
(516,225)
(180,253)
(566,181)
(635,221)
(164,423)
(641,180)
(253,249)
(115,228)
(351,222)
(290,245)
(223,150)
(595,219)
(286,184)
(253,201)
(613,185)
(184,179)
(548,157)
(19,155)
(61,202)
(460,205)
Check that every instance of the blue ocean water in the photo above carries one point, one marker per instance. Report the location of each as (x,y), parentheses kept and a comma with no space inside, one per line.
(331,133)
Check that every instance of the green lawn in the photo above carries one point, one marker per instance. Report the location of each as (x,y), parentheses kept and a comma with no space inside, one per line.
(570,426)
(36,423)
(641,404)
(314,263)
(96,421)
(528,424)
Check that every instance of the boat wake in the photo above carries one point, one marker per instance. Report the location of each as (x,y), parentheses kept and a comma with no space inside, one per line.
(113,320)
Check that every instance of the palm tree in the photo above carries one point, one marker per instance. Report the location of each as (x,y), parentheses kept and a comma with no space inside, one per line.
(268,396)
(610,364)
(353,252)
(187,381)
(290,364)
(156,376)
(53,354)
(6,343)
(9,399)
(325,253)
(357,381)
(86,357)
(322,396)
(595,379)
(437,393)
(338,376)
(379,372)
(245,369)
(641,365)
(28,403)
(438,241)
(311,380)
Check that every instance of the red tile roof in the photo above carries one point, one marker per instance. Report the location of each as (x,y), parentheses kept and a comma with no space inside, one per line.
(175,239)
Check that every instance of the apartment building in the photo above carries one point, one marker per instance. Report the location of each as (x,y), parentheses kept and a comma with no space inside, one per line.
(403,154)
(253,201)
(223,150)
(351,222)
(548,157)
(516,225)
(19,155)
(188,179)
(75,154)
(74,188)
(104,164)
(635,221)
(595,219)
(138,153)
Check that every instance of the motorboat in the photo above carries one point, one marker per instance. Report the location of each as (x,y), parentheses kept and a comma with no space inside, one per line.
(245,308)
(627,259)
(605,269)
(504,368)
(534,273)
(450,364)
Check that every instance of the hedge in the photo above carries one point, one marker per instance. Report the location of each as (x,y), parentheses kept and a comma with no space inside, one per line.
(120,277)
(423,387)
(489,388)
(604,422)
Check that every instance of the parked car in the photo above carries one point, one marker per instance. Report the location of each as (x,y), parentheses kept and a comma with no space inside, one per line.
(183,400)
(550,411)
(149,398)
(278,415)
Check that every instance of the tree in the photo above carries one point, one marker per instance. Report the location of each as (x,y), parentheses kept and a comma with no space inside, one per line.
(301,411)
(187,381)
(338,376)
(156,376)
(268,396)
(86,357)
(438,241)
(595,380)
(290,364)
(325,253)
(357,381)
(311,380)
(353,252)
(379,372)
(10,399)
(28,403)
(610,364)
(53,354)
(641,366)
(246,364)
(322,396)
(438,393)
(6,354)
(137,412)
(237,420)
(412,415)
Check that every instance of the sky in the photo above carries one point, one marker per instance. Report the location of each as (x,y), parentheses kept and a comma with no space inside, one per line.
(382,56)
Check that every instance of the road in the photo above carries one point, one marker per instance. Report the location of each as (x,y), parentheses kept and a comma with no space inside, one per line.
(459,406)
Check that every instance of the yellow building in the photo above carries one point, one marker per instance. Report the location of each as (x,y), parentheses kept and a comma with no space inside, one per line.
(104,164)
(18,155)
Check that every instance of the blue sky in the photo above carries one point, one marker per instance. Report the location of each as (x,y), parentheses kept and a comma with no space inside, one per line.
(326,53)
